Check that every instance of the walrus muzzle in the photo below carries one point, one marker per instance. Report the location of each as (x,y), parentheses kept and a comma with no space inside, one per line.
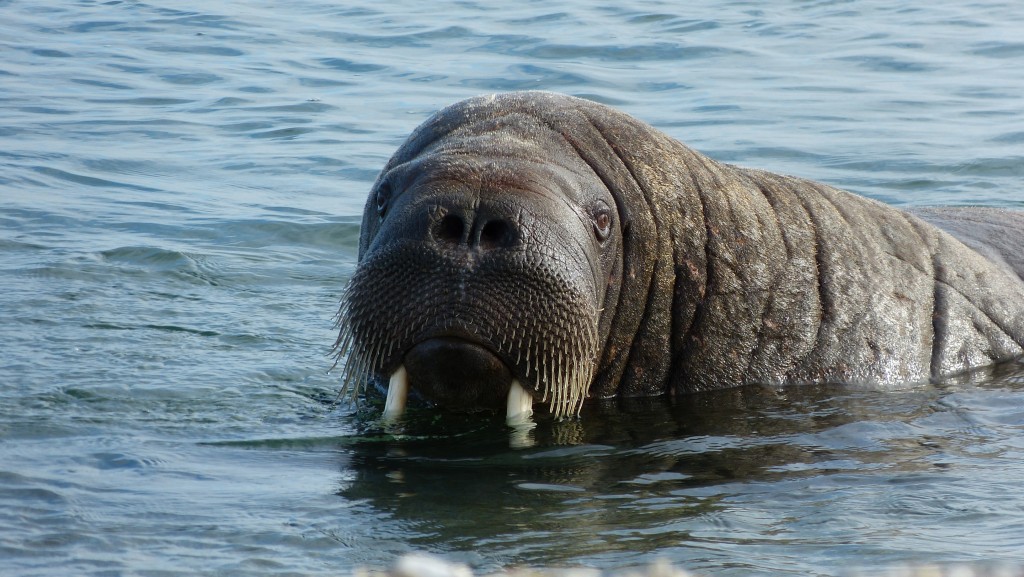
(453,328)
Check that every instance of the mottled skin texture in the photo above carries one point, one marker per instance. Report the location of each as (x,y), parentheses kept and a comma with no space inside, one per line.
(711,275)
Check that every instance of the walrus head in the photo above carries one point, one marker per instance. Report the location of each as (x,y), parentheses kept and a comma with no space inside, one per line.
(488,252)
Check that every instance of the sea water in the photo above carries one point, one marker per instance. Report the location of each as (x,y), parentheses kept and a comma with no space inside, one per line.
(180,191)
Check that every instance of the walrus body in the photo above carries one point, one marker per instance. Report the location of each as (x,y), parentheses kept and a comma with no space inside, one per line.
(544,242)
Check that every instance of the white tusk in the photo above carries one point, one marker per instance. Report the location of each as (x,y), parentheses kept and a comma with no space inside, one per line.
(520,404)
(398,392)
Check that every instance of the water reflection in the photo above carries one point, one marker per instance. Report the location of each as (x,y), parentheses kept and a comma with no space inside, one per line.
(641,475)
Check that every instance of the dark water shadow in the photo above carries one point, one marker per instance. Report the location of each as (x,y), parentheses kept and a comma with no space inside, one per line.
(638,467)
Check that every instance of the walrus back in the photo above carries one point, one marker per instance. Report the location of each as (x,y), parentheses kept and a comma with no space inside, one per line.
(848,289)
(997,234)
(781,280)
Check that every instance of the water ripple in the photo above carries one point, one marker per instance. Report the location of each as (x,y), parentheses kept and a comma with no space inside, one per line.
(181,191)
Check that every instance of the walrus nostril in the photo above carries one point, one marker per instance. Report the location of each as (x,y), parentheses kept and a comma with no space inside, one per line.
(449,229)
(497,234)
(486,234)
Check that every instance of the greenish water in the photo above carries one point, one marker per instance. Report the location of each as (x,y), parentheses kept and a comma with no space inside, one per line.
(180,187)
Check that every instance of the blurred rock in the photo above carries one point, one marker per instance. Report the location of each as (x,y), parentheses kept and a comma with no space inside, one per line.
(422,565)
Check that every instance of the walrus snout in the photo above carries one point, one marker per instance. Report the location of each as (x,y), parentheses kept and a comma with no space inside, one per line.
(456,373)
(481,229)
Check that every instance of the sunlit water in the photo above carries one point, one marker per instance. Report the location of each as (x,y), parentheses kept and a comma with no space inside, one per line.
(180,185)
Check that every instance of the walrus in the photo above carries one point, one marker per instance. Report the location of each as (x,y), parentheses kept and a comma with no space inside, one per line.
(534,247)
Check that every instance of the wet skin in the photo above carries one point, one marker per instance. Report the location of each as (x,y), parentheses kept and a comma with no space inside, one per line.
(537,248)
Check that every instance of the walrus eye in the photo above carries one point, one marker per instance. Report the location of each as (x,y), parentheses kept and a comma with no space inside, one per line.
(383,195)
(602,223)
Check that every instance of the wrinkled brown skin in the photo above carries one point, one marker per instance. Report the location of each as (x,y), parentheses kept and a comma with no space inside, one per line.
(726,276)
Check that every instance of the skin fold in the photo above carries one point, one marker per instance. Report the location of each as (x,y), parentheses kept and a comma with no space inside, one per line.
(552,242)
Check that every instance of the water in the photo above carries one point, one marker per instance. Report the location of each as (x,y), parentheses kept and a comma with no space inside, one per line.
(180,185)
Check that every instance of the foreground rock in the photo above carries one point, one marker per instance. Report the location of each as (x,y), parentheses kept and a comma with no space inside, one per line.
(420,565)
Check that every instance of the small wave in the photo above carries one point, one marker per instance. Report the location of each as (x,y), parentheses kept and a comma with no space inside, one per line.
(88,180)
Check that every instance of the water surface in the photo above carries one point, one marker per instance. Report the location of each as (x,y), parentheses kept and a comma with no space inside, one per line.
(180,188)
